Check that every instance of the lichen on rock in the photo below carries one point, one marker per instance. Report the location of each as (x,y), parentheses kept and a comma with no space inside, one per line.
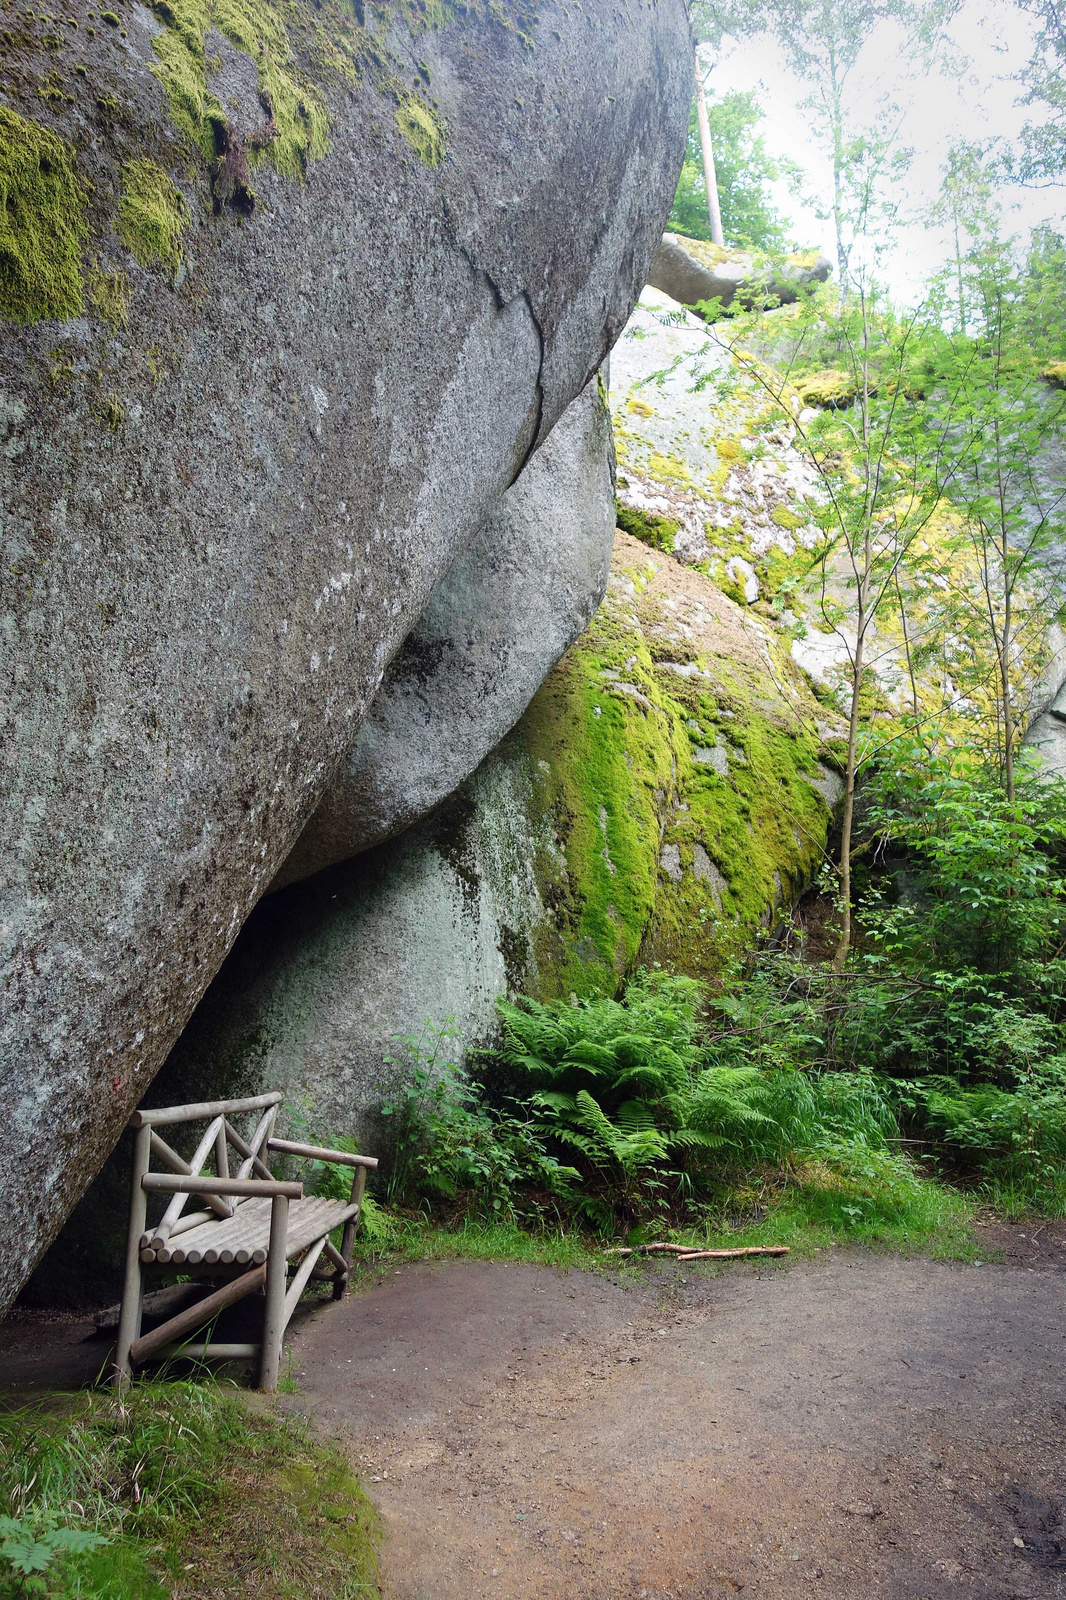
(42,223)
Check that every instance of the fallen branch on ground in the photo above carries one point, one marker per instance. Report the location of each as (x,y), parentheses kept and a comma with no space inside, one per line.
(646,1249)
(731,1255)
(685,1252)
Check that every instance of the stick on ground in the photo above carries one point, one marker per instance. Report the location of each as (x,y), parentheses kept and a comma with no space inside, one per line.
(685,1252)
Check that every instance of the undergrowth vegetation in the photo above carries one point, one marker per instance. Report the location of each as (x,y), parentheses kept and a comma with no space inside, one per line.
(875,1102)
(178,1491)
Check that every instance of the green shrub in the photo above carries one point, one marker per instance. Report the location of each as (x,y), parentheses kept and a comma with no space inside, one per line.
(657,1114)
(447,1142)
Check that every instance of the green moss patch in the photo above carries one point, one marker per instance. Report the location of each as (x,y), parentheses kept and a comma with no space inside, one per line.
(298,128)
(422,129)
(111,293)
(828,389)
(42,224)
(658,533)
(425,15)
(151,215)
(680,783)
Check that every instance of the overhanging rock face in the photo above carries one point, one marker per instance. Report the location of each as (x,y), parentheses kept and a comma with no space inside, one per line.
(494,627)
(244,445)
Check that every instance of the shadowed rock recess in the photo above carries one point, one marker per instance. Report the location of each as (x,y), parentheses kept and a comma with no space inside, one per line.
(291,301)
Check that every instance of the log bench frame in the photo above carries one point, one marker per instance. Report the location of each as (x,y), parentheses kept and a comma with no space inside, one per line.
(300,1230)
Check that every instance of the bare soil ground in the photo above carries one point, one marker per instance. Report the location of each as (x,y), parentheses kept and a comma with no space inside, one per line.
(857,1426)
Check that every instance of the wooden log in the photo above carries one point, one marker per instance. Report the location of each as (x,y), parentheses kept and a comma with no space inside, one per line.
(264,1128)
(348,1236)
(209,1352)
(221,1152)
(341,1263)
(334,1255)
(252,1162)
(164,1116)
(735,1255)
(157,1303)
(191,1219)
(299,1282)
(265,1189)
(174,1209)
(176,1163)
(195,1316)
(314,1152)
(648,1249)
(129,1322)
(687,1252)
(274,1312)
(178,1257)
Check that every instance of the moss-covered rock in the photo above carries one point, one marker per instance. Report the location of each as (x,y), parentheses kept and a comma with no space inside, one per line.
(42,223)
(702,451)
(681,758)
(221,525)
(151,215)
(658,533)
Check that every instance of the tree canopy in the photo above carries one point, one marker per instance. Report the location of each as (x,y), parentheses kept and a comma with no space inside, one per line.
(745,170)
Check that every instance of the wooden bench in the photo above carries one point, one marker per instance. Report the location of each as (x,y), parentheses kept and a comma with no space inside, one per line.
(253,1226)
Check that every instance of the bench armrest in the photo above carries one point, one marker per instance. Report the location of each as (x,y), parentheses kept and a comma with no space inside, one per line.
(252,1188)
(313,1152)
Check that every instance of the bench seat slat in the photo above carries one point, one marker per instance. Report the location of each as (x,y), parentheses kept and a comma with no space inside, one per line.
(249,1229)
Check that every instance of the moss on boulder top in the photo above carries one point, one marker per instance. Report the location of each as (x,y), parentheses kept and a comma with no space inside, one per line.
(829,389)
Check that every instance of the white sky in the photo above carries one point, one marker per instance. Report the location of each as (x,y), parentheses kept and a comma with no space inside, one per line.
(938,110)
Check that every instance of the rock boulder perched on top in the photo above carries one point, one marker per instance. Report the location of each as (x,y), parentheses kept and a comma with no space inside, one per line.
(290,302)
(494,627)
(694,273)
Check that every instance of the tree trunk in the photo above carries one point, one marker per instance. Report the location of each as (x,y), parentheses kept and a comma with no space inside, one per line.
(1004,681)
(844,944)
(710,177)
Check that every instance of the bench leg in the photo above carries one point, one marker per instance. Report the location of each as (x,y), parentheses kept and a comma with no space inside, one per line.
(274,1310)
(340,1279)
(129,1322)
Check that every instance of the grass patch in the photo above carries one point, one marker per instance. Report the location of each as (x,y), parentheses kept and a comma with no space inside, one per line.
(191,1493)
(875,1199)
(1016,1200)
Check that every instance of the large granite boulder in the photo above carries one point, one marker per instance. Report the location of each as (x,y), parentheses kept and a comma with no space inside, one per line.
(494,627)
(290,300)
(665,797)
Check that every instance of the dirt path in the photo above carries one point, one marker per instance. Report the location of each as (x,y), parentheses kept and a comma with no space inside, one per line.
(857,1427)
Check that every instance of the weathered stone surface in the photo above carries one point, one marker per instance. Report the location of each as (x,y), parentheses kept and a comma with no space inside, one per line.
(665,797)
(224,511)
(692,273)
(427,928)
(661,799)
(494,627)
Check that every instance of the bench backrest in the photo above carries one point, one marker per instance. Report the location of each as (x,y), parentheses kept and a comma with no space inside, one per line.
(219,1138)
